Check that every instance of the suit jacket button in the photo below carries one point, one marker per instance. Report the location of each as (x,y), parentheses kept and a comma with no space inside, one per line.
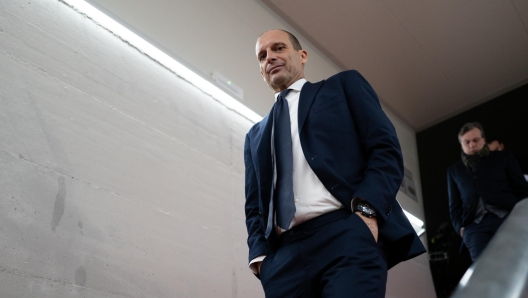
(261,215)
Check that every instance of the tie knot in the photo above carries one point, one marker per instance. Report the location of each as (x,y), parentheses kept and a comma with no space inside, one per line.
(284,93)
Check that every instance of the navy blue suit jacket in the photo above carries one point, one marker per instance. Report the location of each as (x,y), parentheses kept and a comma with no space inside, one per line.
(498,180)
(351,146)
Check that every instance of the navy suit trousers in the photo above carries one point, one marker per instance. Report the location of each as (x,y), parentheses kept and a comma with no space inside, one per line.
(477,236)
(339,258)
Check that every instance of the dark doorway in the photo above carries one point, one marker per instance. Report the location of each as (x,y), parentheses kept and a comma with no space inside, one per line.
(505,117)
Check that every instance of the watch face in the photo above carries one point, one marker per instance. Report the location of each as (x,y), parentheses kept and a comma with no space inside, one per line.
(365,209)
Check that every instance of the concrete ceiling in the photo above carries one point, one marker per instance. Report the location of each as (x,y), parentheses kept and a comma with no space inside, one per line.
(427,60)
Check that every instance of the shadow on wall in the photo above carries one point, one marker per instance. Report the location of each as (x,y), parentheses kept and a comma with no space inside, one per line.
(60,202)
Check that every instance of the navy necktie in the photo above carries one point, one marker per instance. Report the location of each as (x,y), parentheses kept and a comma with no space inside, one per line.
(285,205)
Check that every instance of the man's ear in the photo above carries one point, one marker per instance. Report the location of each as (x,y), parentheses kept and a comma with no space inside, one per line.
(303,56)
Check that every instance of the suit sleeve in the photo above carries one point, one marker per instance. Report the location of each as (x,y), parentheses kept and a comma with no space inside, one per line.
(384,167)
(516,177)
(256,240)
(455,202)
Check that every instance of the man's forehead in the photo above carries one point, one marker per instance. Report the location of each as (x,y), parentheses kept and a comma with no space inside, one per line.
(271,37)
(475,132)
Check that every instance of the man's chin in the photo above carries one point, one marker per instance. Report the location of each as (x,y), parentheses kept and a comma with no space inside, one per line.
(276,79)
(276,83)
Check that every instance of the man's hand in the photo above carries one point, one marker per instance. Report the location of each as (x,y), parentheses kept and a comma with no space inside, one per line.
(258,267)
(372,224)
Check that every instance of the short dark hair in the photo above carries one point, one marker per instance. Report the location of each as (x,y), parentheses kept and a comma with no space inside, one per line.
(470,126)
(295,42)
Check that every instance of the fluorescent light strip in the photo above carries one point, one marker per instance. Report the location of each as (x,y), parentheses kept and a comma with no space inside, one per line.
(466,277)
(164,59)
(169,62)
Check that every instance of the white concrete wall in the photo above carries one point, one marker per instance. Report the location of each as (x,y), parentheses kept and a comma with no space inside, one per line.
(119,179)
(412,278)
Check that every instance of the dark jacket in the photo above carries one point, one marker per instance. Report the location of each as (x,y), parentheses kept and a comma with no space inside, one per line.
(498,180)
(351,146)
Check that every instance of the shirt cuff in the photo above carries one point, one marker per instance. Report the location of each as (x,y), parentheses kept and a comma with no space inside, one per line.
(253,263)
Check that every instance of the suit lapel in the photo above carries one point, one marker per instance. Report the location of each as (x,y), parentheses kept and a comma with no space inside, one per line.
(306,99)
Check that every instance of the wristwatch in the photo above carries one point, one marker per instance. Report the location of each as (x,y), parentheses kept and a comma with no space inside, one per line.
(365,209)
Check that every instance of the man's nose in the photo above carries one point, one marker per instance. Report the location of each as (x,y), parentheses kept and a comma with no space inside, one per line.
(271,55)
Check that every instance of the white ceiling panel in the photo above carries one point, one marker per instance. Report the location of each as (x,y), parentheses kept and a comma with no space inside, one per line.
(427,60)
(480,46)
(521,6)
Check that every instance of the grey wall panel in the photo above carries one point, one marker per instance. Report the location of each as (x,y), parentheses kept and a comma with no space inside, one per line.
(117,178)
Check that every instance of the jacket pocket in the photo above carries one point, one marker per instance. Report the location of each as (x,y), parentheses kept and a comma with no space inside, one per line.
(329,103)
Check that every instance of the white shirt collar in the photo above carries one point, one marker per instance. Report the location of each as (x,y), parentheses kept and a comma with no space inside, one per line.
(297,86)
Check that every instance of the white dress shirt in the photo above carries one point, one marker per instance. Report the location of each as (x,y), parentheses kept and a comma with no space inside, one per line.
(311,197)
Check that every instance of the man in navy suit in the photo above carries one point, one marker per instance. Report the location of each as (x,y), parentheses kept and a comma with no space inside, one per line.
(483,186)
(321,212)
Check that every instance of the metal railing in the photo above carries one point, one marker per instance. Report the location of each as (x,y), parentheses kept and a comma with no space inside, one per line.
(502,269)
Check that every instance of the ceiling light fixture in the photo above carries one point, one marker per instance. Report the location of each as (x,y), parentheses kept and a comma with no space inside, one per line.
(148,49)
